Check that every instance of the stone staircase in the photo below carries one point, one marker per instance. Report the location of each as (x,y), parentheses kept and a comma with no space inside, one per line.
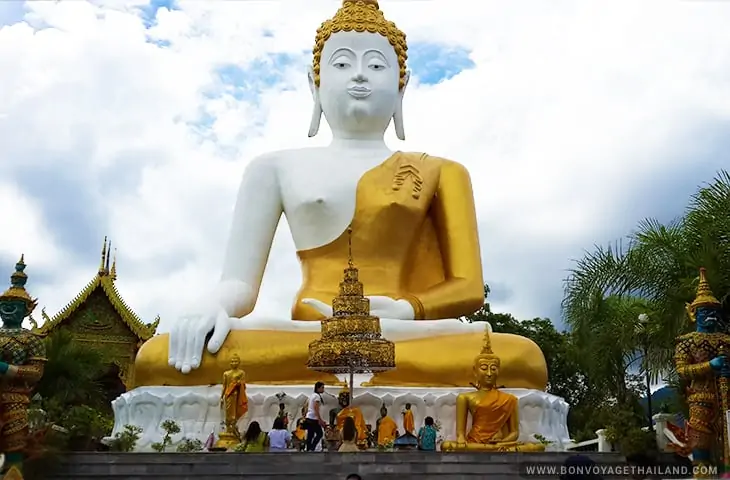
(310,466)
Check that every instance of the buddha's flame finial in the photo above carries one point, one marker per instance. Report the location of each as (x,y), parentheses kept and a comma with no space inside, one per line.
(487,343)
(704,298)
(103,257)
(487,352)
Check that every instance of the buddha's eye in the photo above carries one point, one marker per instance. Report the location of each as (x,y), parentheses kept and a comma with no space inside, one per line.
(341,63)
(376,66)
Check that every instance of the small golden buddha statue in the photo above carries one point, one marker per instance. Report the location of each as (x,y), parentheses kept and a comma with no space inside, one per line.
(409,424)
(234,403)
(349,410)
(387,428)
(495,423)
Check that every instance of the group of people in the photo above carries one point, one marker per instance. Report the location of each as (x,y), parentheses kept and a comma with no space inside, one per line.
(255,440)
(279,439)
(314,426)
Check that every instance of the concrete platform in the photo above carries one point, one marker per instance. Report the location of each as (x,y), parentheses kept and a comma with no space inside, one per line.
(313,466)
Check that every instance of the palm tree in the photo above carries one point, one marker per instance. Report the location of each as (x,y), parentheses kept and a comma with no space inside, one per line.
(657,272)
(72,372)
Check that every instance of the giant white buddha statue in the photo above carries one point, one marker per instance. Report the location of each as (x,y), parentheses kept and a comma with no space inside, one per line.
(414,240)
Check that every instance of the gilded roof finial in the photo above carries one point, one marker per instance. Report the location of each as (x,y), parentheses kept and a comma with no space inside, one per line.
(705,297)
(103,257)
(113,271)
(108,257)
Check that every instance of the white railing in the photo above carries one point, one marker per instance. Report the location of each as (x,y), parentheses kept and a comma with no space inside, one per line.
(602,445)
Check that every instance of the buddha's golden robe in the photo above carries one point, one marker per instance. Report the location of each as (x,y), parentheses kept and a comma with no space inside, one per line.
(409,425)
(489,415)
(356,415)
(414,237)
(387,430)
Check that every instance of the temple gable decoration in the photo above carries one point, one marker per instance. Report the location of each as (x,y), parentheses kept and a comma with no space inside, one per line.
(100,318)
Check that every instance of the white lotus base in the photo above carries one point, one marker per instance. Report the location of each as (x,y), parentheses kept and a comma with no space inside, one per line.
(196,409)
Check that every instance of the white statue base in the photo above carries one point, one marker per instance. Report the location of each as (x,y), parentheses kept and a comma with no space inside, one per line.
(197,410)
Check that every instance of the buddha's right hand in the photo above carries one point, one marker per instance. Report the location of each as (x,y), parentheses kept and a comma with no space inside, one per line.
(187,337)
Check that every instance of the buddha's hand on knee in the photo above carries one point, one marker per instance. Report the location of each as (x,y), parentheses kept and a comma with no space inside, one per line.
(187,337)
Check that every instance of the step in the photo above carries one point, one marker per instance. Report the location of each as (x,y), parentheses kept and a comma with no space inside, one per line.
(308,466)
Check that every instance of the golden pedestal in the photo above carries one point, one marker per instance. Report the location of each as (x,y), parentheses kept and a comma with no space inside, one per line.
(451,446)
(227,440)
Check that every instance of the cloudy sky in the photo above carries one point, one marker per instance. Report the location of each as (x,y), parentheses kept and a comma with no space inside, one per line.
(135,119)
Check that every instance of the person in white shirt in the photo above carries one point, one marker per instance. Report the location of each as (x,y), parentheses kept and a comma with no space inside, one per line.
(313,423)
(279,436)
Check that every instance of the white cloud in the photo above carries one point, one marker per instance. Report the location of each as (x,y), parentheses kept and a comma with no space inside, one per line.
(571,112)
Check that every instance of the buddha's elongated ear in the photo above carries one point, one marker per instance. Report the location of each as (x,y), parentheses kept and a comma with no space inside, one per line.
(317,107)
(400,131)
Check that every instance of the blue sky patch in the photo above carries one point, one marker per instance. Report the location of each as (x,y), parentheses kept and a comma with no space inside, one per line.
(434,63)
(11,12)
(149,12)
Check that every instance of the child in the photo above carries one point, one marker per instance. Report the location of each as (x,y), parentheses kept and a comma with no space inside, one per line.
(349,435)
(427,436)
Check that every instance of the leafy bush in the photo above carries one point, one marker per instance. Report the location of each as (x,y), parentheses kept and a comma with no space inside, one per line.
(126,440)
(171,428)
(188,445)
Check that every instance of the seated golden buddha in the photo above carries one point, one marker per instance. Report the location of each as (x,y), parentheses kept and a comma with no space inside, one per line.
(415,238)
(355,413)
(495,421)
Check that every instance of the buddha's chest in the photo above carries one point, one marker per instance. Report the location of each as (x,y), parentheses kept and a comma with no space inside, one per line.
(321,186)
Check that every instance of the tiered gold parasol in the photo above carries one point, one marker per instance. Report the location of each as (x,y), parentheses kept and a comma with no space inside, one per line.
(351,339)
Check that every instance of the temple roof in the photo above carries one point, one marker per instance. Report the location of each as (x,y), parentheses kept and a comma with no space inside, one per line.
(103,280)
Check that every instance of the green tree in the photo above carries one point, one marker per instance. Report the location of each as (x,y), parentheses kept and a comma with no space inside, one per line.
(71,393)
(660,266)
(72,372)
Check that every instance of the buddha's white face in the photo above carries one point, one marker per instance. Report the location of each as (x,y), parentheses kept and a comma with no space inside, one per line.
(359,83)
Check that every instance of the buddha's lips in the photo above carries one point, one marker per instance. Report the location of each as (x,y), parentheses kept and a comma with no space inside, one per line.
(359,92)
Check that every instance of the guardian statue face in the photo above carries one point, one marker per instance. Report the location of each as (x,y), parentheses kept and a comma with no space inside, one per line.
(359,82)
(708,318)
(12,313)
